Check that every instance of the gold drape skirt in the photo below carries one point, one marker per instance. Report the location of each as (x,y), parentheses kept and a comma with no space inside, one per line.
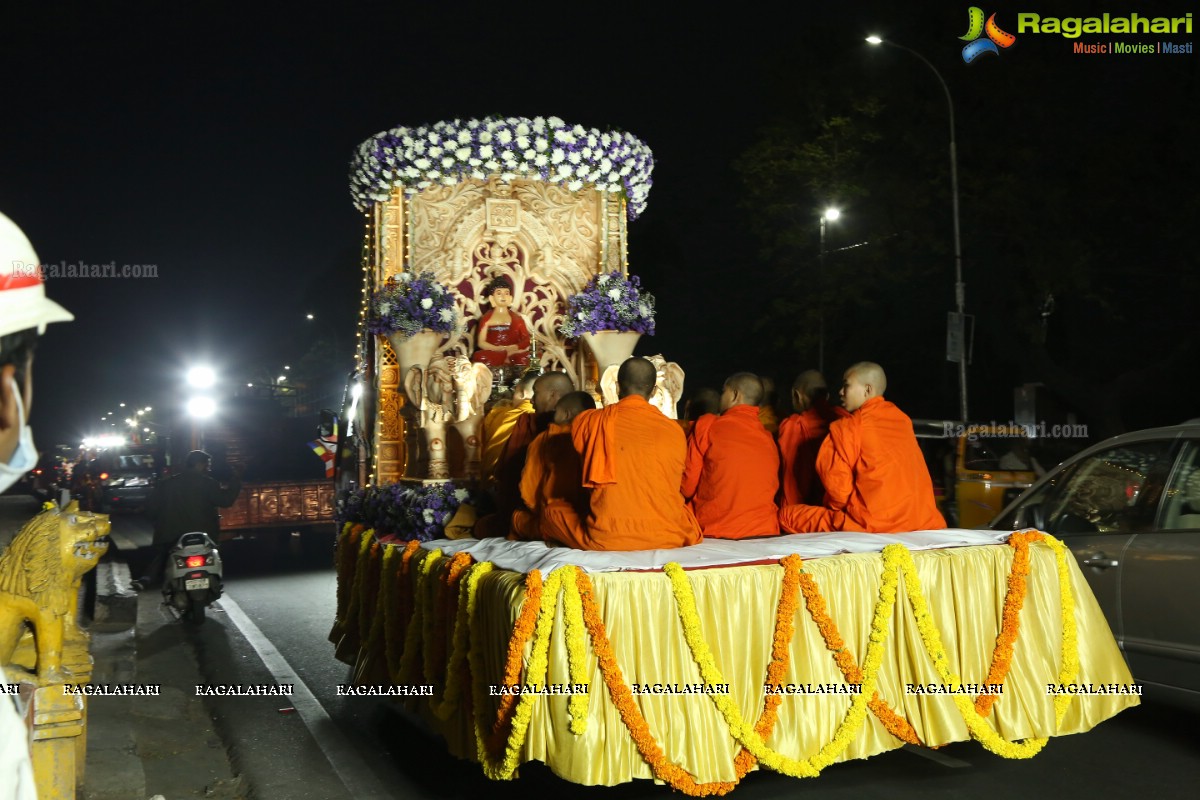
(965,588)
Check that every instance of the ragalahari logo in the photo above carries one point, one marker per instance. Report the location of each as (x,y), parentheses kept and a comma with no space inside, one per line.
(976,27)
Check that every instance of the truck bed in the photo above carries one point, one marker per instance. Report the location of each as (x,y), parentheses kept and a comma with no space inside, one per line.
(280,504)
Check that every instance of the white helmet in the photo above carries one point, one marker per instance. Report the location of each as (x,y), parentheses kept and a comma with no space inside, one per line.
(23,301)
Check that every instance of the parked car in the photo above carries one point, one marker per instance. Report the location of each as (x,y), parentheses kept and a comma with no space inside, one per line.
(1129,509)
(127,481)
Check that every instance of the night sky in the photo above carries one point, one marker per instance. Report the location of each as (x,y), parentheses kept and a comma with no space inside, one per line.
(213,141)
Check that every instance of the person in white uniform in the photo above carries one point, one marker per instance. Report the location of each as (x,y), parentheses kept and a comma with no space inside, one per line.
(24,313)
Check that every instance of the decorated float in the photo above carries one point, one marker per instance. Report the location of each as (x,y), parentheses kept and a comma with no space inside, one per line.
(691,667)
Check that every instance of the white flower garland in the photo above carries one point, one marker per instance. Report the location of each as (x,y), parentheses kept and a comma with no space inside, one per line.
(543,148)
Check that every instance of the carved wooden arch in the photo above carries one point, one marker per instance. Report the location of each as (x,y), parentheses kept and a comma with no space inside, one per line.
(548,241)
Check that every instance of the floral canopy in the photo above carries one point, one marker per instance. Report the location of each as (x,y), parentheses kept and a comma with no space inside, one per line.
(542,148)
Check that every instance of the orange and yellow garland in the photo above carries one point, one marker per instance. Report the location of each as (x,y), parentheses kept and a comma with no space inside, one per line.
(500,738)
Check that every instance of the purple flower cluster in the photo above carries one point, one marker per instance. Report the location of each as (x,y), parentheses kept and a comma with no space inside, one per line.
(610,302)
(544,148)
(405,510)
(411,304)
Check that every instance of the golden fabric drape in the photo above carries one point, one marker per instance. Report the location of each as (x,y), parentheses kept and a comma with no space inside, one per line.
(965,588)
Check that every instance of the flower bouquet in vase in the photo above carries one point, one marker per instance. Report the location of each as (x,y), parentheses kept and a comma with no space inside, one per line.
(415,313)
(610,314)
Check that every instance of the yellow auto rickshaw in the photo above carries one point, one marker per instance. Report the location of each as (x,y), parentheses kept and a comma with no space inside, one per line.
(993,466)
(976,469)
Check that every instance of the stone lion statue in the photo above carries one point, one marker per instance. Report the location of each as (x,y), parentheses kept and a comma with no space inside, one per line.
(40,574)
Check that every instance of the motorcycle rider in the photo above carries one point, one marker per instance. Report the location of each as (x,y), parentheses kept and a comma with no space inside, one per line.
(24,313)
(185,503)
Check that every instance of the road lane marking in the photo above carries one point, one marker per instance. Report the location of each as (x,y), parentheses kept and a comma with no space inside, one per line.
(354,773)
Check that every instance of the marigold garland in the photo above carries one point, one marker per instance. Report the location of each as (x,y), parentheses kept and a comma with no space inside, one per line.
(749,738)
(468,593)
(416,627)
(397,612)
(979,728)
(631,715)
(499,748)
(781,640)
(351,625)
(502,768)
(1069,671)
(577,704)
(445,600)
(1010,625)
(522,631)
(383,600)
(406,601)
(368,569)
(346,556)
(895,724)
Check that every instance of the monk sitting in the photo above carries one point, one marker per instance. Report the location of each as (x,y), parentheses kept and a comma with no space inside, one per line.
(874,475)
(498,425)
(731,474)
(547,390)
(800,438)
(766,408)
(703,401)
(632,466)
(553,473)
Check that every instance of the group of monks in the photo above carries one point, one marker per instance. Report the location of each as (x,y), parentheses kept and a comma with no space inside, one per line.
(626,477)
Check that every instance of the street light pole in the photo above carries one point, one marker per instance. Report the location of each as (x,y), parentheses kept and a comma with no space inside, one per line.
(960,290)
(828,215)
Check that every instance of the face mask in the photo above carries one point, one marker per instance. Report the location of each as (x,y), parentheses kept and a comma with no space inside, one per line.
(25,457)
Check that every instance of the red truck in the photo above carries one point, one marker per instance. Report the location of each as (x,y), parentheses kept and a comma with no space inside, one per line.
(284,491)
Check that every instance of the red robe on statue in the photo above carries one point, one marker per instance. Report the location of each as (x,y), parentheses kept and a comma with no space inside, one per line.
(515,332)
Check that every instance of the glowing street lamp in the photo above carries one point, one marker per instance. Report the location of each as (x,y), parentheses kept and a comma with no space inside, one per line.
(201,407)
(201,377)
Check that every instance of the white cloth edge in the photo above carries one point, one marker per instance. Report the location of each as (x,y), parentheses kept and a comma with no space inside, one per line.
(526,556)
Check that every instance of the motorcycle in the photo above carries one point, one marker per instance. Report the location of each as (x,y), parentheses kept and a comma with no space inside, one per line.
(192,577)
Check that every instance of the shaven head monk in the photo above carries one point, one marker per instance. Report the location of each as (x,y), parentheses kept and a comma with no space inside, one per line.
(549,389)
(731,474)
(571,405)
(553,470)
(546,390)
(874,474)
(800,438)
(861,382)
(632,458)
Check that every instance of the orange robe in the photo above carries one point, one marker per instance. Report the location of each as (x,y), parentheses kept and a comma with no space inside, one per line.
(497,427)
(553,474)
(875,477)
(507,478)
(632,459)
(800,438)
(731,475)
(769,419)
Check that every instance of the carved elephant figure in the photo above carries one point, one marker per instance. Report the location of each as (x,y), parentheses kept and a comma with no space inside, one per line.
(450,390)
(668,386)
